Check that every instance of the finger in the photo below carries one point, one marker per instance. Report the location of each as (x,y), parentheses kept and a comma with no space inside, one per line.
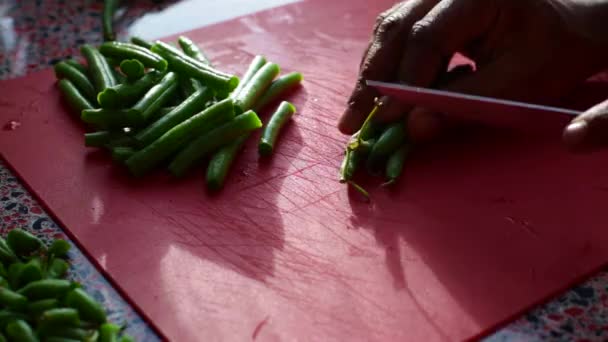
(588,129)
(382,57)
(436,37)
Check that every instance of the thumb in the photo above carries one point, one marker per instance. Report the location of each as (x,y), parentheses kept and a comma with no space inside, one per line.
(588,129)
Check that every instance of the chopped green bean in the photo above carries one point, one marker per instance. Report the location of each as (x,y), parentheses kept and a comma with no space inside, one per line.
(121,51)
(255,87)
(395,164)
(222,160)
(271,132)
(60,316)
(80,80)
(122,153)
(100,138)
(73,97)
(112,118)
(89,308)
(23,242)
(12,300)
(192,105)
(6,253)
(65,332)
(57,269)
(46,288)
(31,271)
(256,64)
(61,339)
(190,67)
(59,248)
(14,273)
(82,68)
(19,330)
(141,42)
(278,88)
(126,338)
(390,140)
(188,86)
(39,306)
(127,94)
(108,332)
(133,69)
(174,139)
(101,72)
(109,8)
(192,50)
(155,98)
(213,140)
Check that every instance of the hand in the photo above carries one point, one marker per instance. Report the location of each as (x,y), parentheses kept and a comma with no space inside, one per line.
(528,50)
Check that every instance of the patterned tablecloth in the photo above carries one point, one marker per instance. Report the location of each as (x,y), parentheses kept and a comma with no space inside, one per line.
(35,34)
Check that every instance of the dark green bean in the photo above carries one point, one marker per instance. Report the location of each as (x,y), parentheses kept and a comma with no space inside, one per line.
(60,316)
(256,64)
(46,288)
(82,68)
(192,105)
(108,332)
(278,88)
(395,164)
(390,140)
(89,308)
(188,86)
(74,98)
(255,87)
(109,8)
(31,271)
(101,72)
(213,140)
(127,94)
(141,42)
(66,332)
(222,160)
(39,306)
(59,248)
(271,132)
(80,80)
(62,339)
(112,118)
(7,316)
(6,253)
(133,69)
(155,98)
(23,242)
(166,110)
(12,300)
(190,67)
(121,51)
(19,330)
(14,273)
(57,268)
(122,153)
(100,138)
(192,50)
(175,138)
(126,338)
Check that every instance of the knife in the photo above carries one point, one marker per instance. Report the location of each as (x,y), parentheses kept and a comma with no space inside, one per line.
(470,107)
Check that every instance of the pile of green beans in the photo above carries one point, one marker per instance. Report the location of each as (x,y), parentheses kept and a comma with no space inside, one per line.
(38,303)
(155,104)
(378,149)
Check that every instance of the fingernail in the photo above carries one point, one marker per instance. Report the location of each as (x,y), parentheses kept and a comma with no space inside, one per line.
(576,133)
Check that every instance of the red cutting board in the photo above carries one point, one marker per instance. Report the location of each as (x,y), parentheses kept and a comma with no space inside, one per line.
(481,228)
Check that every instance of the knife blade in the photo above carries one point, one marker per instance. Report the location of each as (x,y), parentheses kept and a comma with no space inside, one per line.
(469,107)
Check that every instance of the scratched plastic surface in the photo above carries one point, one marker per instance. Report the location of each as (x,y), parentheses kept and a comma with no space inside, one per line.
(480,229)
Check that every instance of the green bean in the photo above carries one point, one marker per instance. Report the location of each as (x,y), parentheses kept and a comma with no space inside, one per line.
(101,72)
(4,282)
(271,132)
(188,86)
(278,88)
(390,140)
(60,316)
(23,242)
(19,330)
(141,42)
(57,268)
(122,153)
(395,164)
(175,138)
(121,51)
(61,339)
(59,248)
(190,67)
(31,271)
(7,316)
(74,98)
(100,138)
(192,50)
(6,253)
(192,105)
(111,118)
(354,158)
(155,98)
(46,288)
(14,273)
(213,140)
(108,332)
(255,87)
(12,300)
(109,8)
(66,332)
(133,69)
(127,94)
(2,338)
(39,306)
(126,338)
(222,160)
(166,110)
(80,80)
(82,68)
(256,64)
(89,308)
